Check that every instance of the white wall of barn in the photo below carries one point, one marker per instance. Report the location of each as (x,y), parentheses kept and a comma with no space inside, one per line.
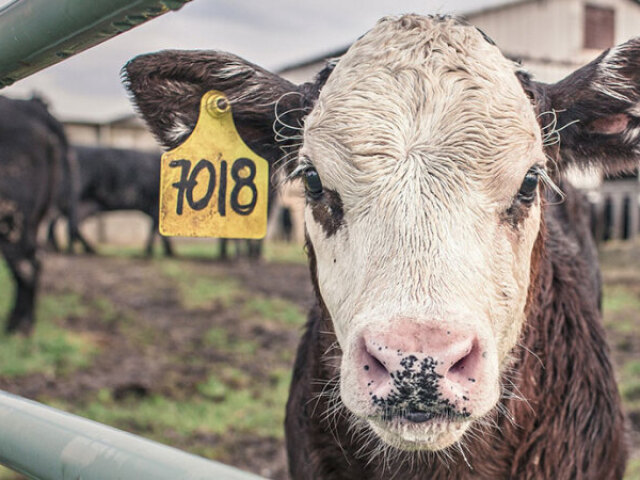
(549,34)
(548,30)
(131,135)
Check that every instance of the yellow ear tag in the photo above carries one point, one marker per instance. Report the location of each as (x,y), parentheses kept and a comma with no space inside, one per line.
(214,185)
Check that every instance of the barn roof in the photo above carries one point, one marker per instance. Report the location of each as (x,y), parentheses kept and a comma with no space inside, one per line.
(481,7)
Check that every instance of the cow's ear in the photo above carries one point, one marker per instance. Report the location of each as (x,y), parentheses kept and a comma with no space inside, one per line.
(167,87)
(596,111)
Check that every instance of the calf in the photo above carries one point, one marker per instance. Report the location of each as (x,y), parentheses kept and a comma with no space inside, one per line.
(33,148)
(456,331)
(111,179)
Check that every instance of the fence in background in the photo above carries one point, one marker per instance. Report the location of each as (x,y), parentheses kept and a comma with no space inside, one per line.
(615,212)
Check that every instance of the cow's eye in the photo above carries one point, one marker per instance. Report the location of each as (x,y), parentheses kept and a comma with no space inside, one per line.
(529,187)
(312,182)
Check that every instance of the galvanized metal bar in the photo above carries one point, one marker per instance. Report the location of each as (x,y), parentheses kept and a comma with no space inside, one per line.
(47,444)
(35,34)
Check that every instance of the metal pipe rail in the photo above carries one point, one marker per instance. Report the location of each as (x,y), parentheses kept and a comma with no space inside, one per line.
(47,444)
(35,34)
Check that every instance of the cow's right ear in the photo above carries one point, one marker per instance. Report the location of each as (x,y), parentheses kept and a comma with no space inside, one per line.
(597,110)
(167,87)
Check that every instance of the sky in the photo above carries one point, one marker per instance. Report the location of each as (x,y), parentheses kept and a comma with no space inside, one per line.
(270,33)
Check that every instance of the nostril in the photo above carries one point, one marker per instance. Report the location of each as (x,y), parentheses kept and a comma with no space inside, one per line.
(465,363)
(375,366)
(460,364)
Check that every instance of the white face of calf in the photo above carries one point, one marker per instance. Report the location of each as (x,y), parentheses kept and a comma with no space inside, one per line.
(421,159)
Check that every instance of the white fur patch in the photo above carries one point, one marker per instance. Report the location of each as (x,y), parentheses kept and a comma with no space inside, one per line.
(233,69)
(425,133)
(178,131)
(635,110)
(610,81)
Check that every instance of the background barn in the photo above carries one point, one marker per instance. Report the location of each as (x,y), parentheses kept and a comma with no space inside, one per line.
(551,38)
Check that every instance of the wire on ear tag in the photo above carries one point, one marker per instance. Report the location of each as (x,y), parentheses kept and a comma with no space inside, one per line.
(214,185)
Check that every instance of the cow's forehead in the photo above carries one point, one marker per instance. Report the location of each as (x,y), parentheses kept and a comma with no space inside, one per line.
(427,86)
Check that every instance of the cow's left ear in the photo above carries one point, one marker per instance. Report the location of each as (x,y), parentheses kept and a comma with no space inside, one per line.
(167,87)
(597,110)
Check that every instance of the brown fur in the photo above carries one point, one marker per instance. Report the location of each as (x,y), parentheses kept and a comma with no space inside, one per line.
(570,426)
(328,212)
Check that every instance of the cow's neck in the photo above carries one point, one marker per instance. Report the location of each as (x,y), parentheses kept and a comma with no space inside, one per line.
(560,366)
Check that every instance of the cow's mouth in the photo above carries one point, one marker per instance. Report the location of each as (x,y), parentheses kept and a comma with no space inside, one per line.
(420,417)
(420,430)
(444,413)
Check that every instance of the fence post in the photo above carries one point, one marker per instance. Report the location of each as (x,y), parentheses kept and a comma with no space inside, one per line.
(47,444)
(634,213)
(35,34)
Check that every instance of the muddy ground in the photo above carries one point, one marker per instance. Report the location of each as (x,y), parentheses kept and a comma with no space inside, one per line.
(147,325)
(158,348)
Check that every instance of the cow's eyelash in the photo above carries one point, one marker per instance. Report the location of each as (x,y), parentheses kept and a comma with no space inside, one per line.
(548,182)
(537,168)
(300,169)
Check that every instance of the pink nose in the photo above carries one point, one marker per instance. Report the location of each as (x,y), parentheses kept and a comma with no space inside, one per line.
(420,367)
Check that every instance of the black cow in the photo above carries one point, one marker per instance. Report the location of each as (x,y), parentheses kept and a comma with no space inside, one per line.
(114,179)
(33,150)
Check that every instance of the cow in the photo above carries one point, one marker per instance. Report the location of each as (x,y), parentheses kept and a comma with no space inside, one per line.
(111,179)
(456,331)
(33,153)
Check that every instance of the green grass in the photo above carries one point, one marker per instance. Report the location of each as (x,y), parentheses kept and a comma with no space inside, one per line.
(226,401)
(51,349)
(200,249)
(632,369)
(279,252)
(274,309)
(60,306)
(629,383)
(618,298)
(633,470)
(219,339)
(225,379)
(197,291)
(620,306)
(209,249)
(107,312)
(8,290)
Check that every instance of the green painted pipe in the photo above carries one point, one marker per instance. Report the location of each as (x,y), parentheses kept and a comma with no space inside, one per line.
(47,444)
(35,34)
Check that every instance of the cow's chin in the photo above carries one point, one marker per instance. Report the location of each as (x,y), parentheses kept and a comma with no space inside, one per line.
(433,435)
